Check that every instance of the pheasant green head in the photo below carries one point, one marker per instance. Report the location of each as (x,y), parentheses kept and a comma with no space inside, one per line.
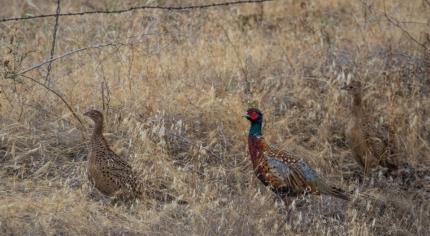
(255,116)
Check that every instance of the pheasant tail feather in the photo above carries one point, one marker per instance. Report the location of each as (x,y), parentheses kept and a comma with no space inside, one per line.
(331,190)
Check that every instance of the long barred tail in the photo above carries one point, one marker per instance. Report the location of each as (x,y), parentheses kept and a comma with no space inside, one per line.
(342,194)
(324,188)
(339,193)
(163,196)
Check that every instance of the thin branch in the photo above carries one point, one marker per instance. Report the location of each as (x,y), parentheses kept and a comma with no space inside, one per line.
(120,11)
(64,55)
(22,73)
(398,25)
(54,39)
(247,85)
(414,22)
(97,46)
(56,94)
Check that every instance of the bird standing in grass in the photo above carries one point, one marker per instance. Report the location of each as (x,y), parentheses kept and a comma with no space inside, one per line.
(371,146)
(112,175)
(107,172)
(285,174)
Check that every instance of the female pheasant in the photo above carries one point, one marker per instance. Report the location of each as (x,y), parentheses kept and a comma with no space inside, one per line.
(370,146)
(107,172)
(112,175)
(284,173)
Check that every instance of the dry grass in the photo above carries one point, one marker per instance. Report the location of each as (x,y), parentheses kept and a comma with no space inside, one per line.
(173,101)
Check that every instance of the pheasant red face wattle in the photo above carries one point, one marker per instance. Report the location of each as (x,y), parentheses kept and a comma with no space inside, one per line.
(253,116)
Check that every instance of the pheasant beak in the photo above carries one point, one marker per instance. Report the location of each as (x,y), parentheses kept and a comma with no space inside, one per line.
(246,116)
(87,113)
(344,87)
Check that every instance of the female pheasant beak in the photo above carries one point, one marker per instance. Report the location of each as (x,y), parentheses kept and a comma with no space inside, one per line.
(87,113)
(344,86)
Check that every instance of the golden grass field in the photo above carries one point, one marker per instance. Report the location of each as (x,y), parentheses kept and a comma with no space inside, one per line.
(173,87)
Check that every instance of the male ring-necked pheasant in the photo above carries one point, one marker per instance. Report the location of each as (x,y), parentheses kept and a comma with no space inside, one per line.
(112,175)
(371,146)
(285,174)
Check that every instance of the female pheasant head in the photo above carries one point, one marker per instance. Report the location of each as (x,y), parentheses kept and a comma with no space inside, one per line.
(353,88)
(95,115)
(255,116)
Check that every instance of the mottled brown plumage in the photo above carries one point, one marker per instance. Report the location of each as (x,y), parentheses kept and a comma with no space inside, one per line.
(107,172)
(112,175)
(286,174)
(371,145)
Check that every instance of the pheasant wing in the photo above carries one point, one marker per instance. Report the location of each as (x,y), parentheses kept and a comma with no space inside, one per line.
(120,172)
(382,144)
(295,174)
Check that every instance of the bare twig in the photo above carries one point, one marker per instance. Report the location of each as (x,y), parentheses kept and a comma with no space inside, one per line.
(414,22)
(56,94)
(97,46)
(247,84)
(106,93)
(103,96)
(54,37)
(65,55)
(168,8)
(398,25)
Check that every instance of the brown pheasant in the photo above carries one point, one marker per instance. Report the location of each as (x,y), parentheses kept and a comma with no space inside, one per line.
(371,146)
(285,174)
(112,175)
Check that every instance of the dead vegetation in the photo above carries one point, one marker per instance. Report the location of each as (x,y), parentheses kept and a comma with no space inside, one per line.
(173,86)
